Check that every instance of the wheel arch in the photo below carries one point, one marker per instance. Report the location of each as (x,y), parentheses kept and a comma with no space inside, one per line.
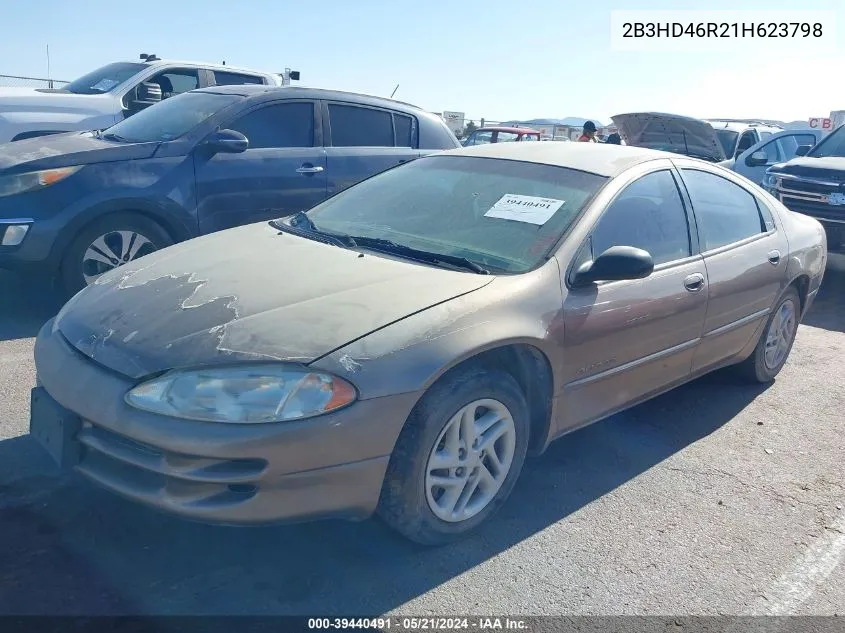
(531,369)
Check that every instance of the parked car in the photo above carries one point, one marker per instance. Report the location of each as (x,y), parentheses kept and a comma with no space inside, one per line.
(109,94)
(777,148)
(402,346)
(715,141)
(79,204)
(813,183)
(498,134)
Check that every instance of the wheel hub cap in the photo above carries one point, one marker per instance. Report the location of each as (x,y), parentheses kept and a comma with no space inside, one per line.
(780,334)
(470,460)
(111,250)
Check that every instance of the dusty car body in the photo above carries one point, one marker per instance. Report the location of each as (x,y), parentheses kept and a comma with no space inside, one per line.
(430,351)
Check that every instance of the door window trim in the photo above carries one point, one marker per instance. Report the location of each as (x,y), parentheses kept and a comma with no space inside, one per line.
(318,132)
(757,202)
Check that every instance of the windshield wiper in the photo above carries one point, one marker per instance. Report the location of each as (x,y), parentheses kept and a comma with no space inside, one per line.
(114,137)
(388,246)
(300,224)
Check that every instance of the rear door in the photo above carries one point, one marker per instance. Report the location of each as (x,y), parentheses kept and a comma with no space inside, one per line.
(282,172)
(362,141)
(745,252)
(626,340)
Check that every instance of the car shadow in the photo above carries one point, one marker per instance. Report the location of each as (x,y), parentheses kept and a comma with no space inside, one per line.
(828,310)
(26,303)
(69,548)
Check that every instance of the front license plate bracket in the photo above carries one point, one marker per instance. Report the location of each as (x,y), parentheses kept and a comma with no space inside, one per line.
(55,428)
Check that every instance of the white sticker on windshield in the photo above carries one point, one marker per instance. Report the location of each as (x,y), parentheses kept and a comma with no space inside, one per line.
(104,84)
(528,209)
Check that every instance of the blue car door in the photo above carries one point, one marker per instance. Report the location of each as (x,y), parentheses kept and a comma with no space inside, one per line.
(282,171)
(362,141)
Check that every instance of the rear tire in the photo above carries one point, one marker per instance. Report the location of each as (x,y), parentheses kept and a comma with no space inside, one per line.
(776,341)
(108,243)
(478,475)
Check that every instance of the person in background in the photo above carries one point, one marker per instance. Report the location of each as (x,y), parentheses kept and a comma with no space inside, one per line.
(614,139)
(588,134)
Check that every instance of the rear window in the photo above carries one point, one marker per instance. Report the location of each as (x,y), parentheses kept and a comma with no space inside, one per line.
(235,79)
(354,126)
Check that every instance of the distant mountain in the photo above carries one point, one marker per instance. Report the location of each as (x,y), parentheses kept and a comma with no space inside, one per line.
(796,125)
(572,121)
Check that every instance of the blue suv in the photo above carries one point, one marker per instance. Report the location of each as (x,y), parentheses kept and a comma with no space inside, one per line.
(79,204)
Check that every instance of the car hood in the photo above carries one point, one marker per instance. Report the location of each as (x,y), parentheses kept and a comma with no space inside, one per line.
(830,167)
(63,150)
(46,100)
(249,293)
(671,133)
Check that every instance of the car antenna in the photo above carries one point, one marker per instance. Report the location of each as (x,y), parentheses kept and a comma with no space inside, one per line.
(686,147)
(394,91)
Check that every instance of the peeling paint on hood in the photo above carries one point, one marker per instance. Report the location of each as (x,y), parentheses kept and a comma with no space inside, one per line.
(671,133)
(248,293)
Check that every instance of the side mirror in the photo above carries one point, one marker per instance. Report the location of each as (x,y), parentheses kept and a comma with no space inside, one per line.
(227,142)
(616,263)
(146,94)
(803,150)
(757,159)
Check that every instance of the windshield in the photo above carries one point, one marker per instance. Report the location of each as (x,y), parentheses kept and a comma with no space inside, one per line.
(727,139)
(171,118)
(832,145)
(104,79)
(503,215)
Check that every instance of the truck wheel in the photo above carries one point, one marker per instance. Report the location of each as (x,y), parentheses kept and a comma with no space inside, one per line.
(107,244)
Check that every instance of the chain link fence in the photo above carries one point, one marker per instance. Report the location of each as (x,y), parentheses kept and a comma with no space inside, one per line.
(14,81)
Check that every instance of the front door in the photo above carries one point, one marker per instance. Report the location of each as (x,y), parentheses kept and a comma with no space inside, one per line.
(625,340)
(282,172)
(364,141)
(745,253)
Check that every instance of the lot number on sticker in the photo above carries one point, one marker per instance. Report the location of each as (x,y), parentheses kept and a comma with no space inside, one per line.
(528,209)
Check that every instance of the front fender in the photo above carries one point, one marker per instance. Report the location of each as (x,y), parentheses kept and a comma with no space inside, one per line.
(411,354)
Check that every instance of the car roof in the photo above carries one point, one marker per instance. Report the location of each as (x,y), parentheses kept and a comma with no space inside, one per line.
(597,158)
(299,92)
(739,126)
(182,62)
(505,128)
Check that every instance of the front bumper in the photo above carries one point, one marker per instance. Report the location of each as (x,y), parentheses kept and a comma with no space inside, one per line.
(329,466)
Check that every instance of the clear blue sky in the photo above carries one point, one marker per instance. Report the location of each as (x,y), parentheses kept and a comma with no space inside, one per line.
(534,58)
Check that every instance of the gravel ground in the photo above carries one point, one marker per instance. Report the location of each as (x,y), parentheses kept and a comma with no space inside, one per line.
(713,499)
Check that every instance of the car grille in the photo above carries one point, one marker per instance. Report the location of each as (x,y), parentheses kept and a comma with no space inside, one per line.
(810,197)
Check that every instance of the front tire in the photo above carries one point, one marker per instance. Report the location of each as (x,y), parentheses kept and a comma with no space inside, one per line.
(777,339)
(457,458)
(108,243)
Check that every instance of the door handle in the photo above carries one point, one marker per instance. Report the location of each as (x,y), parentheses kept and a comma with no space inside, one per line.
(694,282)
(774,257)
(309,169)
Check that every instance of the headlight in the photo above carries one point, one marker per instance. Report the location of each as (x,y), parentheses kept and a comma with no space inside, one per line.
(770,181)
(243,394)
(21,183)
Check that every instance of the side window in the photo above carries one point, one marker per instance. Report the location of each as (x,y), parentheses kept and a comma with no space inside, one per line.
(279,125)
(726,213)
(353,126)
(647,214)
(772,150)
(222,78)
(745,141)
(176,81)
(507,137)
(404,128)
(789,144)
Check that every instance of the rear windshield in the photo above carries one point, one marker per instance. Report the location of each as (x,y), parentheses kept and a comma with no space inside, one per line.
(503,215)
(171,118)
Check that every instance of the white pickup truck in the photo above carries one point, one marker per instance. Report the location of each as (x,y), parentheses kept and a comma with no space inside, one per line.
(111,93)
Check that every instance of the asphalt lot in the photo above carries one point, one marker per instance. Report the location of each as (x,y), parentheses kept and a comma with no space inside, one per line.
(717,498)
